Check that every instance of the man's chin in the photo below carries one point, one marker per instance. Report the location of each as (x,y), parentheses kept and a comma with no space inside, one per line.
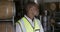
(37,15)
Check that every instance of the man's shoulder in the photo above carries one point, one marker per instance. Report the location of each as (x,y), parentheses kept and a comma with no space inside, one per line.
(20,19)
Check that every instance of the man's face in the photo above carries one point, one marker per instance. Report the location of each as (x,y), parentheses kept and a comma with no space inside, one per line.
(35,10)
(52,6)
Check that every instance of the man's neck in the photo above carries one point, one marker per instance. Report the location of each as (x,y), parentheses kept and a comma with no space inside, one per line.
(30,16)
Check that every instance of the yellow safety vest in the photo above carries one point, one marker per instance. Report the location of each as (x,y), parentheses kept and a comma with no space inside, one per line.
(28,26)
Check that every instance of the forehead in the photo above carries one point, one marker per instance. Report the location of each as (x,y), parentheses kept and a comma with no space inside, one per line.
(52,4)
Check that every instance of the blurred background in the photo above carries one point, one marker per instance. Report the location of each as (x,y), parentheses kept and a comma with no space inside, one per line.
(12,10)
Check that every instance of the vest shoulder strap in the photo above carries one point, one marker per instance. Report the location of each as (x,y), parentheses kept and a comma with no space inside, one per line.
(21,23)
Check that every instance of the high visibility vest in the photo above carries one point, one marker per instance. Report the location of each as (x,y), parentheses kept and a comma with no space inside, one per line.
(28,26)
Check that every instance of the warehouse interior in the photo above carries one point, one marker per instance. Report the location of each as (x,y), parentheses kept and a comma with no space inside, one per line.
(13,10)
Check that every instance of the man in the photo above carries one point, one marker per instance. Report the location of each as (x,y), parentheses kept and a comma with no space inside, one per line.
(29,23)
(52,9)
(52,15)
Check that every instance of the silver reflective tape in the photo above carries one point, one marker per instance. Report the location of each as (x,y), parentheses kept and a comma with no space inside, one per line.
(22,25)
(37,30)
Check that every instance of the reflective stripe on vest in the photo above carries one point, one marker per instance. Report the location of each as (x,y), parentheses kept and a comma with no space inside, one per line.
(21,23)
(28,26)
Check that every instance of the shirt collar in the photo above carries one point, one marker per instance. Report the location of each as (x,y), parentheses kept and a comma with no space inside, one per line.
(30,20)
